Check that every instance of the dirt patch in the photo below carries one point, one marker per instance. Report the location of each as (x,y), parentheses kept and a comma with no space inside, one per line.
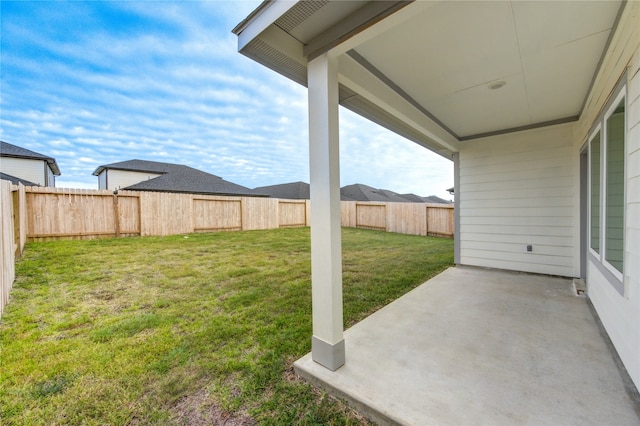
(200,409)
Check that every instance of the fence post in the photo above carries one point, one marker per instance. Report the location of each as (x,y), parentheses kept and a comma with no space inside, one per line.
(427,217)
(15,195)
(116,215)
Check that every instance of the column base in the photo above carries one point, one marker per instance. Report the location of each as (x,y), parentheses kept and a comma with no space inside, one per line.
(331,356)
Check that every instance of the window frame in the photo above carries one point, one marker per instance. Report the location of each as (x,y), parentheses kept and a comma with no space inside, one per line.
(621,96)
(597,130)
(601,125)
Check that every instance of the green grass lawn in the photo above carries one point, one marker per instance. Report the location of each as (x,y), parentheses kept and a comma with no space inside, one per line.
(197,329)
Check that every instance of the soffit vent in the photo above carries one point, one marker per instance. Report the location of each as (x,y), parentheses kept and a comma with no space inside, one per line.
(299,13)
(277,61)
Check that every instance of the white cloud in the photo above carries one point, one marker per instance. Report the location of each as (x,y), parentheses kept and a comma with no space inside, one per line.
(178,92)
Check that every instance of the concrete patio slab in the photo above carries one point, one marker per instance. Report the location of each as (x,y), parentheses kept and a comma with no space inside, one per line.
(476,346)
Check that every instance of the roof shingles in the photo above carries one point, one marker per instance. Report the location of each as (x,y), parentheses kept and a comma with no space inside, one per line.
(289,191)
(178,178)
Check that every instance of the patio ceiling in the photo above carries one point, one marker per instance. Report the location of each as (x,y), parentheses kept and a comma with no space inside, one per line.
(426,69)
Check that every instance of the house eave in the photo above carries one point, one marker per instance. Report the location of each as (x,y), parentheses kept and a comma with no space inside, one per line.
(125,169)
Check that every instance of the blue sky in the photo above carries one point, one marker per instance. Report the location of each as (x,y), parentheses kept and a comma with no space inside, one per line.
(93,83)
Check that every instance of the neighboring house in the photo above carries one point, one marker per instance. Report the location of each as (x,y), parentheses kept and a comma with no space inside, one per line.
(538,110)
(20,165)
(142,175)
(290,191)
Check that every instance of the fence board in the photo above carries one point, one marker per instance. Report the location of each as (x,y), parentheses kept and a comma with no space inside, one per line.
(7,244)
(164,213)
(259,213)
(348,213)
(440,220)
(211,214)
(371,216)
(21,217)
(407,218)
(57,212)
(292,213)
(53,213)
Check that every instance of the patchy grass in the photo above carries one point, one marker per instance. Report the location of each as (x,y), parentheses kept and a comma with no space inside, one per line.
(197,329)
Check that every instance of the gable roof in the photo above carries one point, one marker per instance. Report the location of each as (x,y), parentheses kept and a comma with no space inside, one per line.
(14,151)
(291,191)
(178,178)
(16,180)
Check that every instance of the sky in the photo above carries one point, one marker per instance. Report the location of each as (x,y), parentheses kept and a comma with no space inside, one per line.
(93,83)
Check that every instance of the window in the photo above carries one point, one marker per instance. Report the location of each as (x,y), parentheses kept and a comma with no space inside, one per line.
(606,188)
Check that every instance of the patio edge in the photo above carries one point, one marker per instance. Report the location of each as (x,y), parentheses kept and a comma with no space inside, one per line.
(301,368)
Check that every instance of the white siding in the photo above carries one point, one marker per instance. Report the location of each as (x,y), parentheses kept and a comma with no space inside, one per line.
(102,180)
(122,178)
(518,190)
(31,170)
(51,178)
(620,313)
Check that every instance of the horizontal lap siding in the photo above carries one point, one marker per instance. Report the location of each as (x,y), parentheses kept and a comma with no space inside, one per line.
(116,179)
(620,314)
(518,190)
(23,168)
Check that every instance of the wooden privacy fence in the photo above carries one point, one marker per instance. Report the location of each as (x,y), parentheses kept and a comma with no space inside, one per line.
(54,213)
(403,218)
(40,214)
(12,236)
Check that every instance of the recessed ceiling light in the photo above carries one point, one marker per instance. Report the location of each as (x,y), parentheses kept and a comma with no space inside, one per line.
(497,85)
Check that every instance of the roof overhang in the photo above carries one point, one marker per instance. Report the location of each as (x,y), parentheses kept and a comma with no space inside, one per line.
(442,72)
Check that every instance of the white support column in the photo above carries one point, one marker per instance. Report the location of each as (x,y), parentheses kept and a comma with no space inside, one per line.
(326,246)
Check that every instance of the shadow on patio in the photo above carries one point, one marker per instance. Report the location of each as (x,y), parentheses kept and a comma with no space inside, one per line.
(475,346)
